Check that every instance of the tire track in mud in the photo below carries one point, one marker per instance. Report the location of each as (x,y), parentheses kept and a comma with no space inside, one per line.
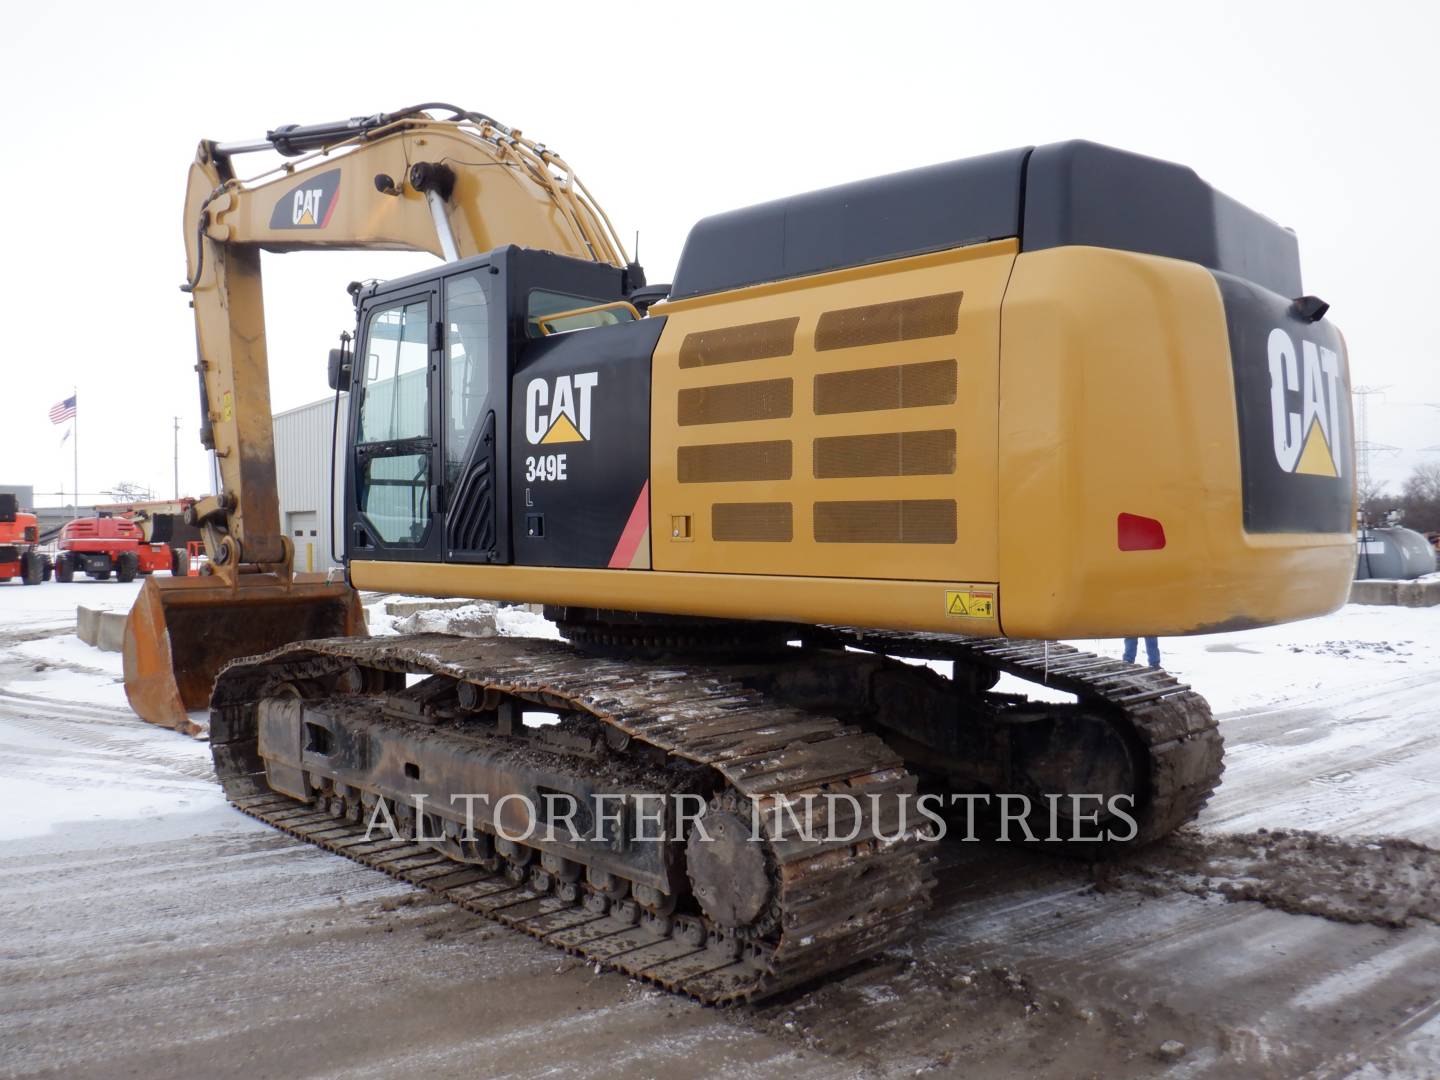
(1347,1063)
(1354,764)
(1074,977)
(97,734)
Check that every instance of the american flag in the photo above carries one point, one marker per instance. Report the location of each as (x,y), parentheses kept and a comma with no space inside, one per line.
(64,410)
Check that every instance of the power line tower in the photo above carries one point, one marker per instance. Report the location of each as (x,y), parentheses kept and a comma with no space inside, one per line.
(1430,449)
(1364,448)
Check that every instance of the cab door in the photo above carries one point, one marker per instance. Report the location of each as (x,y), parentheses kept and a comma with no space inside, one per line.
(474,372)
(396,469)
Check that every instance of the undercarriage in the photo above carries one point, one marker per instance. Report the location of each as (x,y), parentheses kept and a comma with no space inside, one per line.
(724,814)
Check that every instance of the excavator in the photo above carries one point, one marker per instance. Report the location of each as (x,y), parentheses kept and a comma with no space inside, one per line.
(795,514)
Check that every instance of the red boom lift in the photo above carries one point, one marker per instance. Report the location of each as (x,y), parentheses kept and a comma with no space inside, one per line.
(19,535)
(99,546)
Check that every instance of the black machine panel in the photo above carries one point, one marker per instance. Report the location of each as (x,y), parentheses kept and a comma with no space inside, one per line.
(1292,395)
(580,446)
(1080,192)
(1049,196)
(886,217)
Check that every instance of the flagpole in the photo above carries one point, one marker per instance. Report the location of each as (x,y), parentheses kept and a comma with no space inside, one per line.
(75,438)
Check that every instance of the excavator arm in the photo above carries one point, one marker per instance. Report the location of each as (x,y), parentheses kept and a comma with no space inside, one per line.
(404,181)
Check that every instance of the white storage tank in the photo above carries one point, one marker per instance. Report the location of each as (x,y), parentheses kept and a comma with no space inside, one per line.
(1393,553)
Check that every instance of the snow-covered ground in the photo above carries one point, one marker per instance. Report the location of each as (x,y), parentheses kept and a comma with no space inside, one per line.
(142,909)
(1298,663)
(1259,681)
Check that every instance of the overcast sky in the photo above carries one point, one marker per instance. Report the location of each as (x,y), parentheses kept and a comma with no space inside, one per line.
(1320,115)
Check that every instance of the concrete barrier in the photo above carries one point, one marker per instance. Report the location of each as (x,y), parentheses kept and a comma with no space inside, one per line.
(1424,592)
(101,628)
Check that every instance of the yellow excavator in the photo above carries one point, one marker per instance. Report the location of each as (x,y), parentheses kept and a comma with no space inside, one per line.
(946,415)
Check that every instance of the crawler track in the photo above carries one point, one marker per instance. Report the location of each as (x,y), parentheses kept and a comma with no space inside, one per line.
(1173,725)
(829,904)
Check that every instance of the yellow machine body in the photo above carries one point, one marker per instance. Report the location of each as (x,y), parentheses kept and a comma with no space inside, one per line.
(946,443)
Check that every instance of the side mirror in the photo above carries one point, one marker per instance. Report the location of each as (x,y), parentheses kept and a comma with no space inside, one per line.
(339,369)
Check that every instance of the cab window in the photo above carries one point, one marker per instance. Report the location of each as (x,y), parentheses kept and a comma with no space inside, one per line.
(542,303)
(395,395)
(392,447)
(467,368)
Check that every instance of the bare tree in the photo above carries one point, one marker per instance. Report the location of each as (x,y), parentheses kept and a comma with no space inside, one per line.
(1420,498)
(1373,499)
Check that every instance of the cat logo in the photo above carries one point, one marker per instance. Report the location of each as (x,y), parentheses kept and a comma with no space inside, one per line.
(1309,441)
(310,205)
(560,415)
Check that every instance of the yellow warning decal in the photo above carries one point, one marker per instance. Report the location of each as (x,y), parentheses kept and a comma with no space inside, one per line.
(227,407)
(971,603)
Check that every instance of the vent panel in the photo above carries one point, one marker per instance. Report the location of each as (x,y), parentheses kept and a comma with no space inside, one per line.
(898,320)
(732,344)
(471,522)
(722,462)
(899,453)
(909,521)
(768,399)
(765,522)
(896,386)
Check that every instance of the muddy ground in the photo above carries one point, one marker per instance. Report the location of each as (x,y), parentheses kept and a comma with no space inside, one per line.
(179,938)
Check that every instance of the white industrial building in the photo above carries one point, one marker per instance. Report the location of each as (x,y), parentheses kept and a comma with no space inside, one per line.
(305,460)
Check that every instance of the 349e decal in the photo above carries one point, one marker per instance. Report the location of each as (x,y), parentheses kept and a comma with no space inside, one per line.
(556,411)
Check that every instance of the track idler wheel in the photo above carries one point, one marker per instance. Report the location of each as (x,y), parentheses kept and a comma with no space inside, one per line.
(729,875)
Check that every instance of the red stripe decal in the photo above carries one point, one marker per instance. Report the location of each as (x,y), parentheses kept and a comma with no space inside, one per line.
(334,200)
(634,529)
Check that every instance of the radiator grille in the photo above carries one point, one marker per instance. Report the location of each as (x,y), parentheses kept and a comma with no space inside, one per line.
(898,453)
(721,462)
(766,522)
(731,344)
(896,386)
(910,521)
(899,320)
(768,399)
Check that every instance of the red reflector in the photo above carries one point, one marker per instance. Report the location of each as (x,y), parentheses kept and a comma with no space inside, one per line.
(1136,533)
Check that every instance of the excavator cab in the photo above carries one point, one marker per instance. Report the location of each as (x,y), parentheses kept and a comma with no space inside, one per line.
(473,409)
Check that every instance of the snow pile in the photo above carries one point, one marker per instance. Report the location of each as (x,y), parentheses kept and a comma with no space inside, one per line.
(483,618)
